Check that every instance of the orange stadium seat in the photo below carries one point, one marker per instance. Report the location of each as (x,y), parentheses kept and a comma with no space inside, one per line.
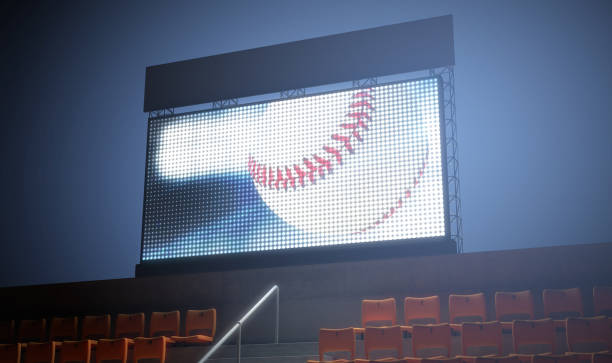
(63,328)
(476,337)
(378,312)
(40,352)
(514,306)
(422,310)
(379,338)
(529,335)
(602,300)
(10,353)
(200,327)
(76,351)
(430,337)
(96,327)
(129,325)
(589,334)
(112,350)
(336,340)
(561,304)
(7,331)
(467,308)
(162,326)
(32,330)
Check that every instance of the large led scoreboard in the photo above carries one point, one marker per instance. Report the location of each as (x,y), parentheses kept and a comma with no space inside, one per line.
(346,172)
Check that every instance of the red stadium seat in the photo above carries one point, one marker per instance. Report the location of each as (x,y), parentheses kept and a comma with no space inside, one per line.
(602,300)
(431,337)
(200,327)
(63,328)
(514,306)
(497,359)
(112,350)
(162,326)
(467,308)
(336,340)
(562,304)
(378,312)
(7,331)
(96,327)
(550,358)
(589,334)
(383,338)
(32,331)
(40,352)
(129,325)
(10,353)
(529,335)
(475,337)
(422,310)
(76,351)
(439,359)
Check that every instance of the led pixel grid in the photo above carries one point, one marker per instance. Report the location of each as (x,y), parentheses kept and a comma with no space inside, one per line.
(353,166)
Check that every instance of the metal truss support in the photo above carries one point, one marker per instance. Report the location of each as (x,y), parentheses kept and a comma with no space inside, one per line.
(447,74)
(161,113)
(225,103)
(292,93)
(366,82)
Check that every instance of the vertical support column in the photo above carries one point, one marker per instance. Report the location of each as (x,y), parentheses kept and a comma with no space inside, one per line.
(238,341)
(447,74)
(277,315)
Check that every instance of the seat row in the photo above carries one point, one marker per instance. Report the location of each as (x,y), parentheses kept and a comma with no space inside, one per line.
(599,357)
(129,332)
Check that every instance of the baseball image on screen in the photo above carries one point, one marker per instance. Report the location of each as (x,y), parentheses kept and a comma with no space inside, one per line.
(344,167)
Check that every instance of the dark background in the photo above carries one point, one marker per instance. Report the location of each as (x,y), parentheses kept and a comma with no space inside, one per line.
(533,95)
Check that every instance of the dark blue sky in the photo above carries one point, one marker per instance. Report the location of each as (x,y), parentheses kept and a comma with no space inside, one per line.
(533,109)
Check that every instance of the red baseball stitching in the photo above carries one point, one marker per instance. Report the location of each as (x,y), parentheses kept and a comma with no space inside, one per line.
(316,167)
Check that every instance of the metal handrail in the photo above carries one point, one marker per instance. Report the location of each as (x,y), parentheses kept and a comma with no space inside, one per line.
(238,326)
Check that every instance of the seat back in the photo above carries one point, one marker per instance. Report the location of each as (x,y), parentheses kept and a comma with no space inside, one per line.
(112,350)
(514,306)
(336,340)
(63,328)
(7,331)
(433,336)
(96,327)
(562,303)
(378,312)
(10,353)
(40,352)
(129,325)
(422,310)
(467,308)
(590,334)
(480,336)
(602,300)
(165,323)
(76,351)
(527,334)
(201,322)
(32,330)
(383,338)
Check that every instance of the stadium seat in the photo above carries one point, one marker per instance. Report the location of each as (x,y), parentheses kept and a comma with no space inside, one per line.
(10,353)
(112,350)
(162,326)
(529,335)
(96,327)
(602,357)
(32,331)
(431,337)
(336,340)
(439,359)
(602,300)
(378,312)
(467,308)
(589,334)
(476,337)
(7,331)
(514,306)
(200,327)
(551,358)
(63,328)
(129,325)
(383,338)
(76,351)
(40,352)
(422,310)
(561,304)
(497,359)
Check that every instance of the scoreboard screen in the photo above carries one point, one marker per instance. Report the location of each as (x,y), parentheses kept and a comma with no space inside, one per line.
(355,166)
